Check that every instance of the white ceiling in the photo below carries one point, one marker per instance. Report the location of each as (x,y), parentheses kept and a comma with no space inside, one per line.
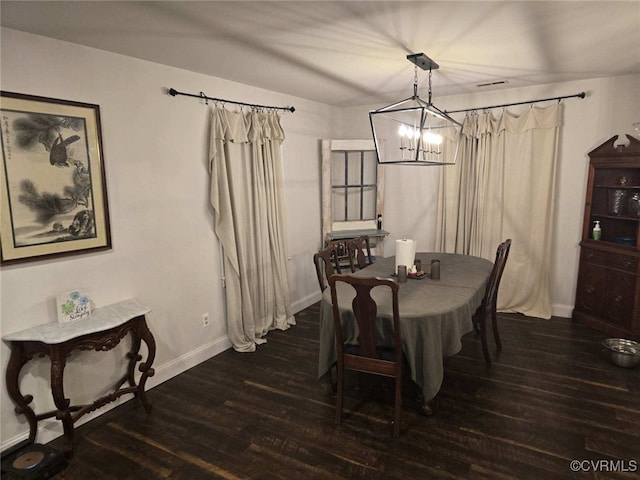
(348,53)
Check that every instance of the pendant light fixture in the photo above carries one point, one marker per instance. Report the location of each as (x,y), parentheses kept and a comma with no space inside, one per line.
(415,132)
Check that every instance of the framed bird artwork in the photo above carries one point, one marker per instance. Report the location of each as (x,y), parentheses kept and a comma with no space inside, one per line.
(53,193)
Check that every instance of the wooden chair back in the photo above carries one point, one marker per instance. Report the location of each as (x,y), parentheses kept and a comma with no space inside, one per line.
(359,253)
(368,356)
(493,284)
(488,307)
(327,263)
(342,252)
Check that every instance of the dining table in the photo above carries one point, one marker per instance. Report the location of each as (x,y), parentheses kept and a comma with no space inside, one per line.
(434,315)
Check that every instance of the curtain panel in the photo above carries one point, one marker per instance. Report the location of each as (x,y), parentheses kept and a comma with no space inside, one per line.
(245,164)
(503,186)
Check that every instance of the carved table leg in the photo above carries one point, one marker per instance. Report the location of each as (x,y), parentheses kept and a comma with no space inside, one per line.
(58,362)
(134,357)
(145,334)
(16,361)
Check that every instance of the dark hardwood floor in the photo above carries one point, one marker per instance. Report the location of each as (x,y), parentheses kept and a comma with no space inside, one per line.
(549,398)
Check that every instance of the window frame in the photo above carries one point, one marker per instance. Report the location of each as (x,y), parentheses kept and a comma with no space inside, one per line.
(329,225)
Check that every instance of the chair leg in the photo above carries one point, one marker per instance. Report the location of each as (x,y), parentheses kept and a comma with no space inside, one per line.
(396,422)
(483,338)
(496,335)
(339,395)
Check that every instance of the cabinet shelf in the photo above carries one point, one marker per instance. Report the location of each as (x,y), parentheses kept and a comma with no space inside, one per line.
(616,217)
(619,187)
(623,247)
(604,244)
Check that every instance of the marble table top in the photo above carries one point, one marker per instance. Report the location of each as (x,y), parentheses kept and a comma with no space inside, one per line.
(103,318)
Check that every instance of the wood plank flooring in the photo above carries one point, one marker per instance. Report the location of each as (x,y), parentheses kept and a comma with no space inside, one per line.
(549,398)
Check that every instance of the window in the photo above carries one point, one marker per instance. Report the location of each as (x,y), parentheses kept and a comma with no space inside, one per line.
(353,185)
(352,192)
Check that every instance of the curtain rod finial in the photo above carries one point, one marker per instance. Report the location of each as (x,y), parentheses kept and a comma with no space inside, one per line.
(173,92)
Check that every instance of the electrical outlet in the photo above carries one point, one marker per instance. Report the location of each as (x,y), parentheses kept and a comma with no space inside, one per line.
(205,319)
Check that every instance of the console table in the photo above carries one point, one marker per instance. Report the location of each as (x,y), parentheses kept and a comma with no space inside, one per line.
(102,332)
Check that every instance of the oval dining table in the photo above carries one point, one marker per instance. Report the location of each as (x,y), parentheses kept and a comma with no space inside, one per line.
(434,315)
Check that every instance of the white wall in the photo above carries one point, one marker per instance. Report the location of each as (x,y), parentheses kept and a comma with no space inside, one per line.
(611,107)
(164,250)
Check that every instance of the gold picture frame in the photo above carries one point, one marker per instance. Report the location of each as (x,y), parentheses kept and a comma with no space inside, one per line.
(53,192)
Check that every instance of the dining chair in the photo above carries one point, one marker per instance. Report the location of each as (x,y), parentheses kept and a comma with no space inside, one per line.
(357,248)
(327,263)
(367,355)
(342,252)
(488,306)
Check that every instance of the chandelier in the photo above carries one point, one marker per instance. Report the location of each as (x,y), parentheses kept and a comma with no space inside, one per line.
(415,132)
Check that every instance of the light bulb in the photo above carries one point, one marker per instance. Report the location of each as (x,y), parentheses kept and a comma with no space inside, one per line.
(432,138)
(402,131)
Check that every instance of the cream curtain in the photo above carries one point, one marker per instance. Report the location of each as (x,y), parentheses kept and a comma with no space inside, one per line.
(502,186)
(246,195)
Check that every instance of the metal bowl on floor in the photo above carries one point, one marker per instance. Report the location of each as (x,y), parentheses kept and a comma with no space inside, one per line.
(622,352)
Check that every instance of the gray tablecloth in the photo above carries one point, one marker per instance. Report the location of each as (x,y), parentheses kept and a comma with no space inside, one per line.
(434,315)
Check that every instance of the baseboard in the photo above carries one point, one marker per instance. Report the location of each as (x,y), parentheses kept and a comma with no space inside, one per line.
(305,302)
(189,360)
(563,311)
(51,429)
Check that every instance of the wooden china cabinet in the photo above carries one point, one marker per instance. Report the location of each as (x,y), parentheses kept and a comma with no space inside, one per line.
(608,292)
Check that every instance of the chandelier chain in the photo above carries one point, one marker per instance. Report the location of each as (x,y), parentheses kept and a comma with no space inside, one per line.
(415,81)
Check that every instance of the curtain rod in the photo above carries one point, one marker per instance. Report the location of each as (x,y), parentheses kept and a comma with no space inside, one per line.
(173,92)
(581,95)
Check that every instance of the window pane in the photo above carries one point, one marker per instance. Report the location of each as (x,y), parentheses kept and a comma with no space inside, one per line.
(369,203)
(337,205)
(337,168)
(370,167)
(353,198)
(354,168)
